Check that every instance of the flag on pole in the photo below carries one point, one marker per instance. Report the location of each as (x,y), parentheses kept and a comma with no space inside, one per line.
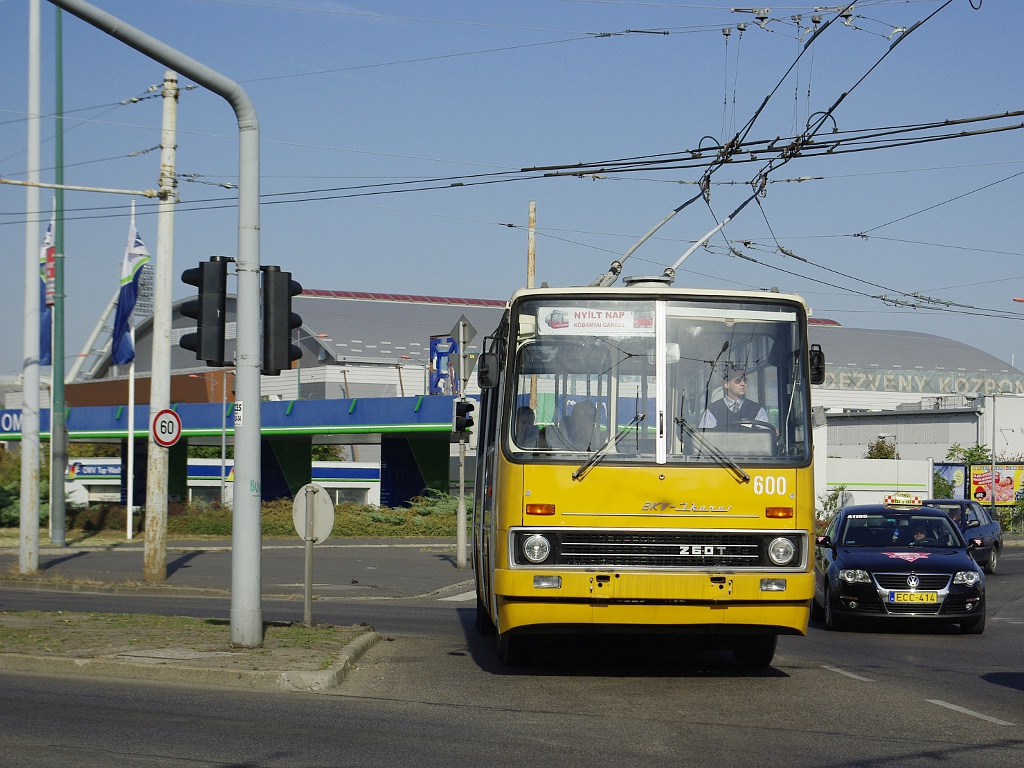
(135,257)
(46,271)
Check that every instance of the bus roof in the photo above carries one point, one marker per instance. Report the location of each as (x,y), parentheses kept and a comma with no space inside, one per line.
(654,290)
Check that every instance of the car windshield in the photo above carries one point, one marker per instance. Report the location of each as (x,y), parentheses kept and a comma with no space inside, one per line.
(894,529)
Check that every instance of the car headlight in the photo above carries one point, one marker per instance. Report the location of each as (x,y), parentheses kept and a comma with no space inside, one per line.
(854,575)
(970,578)
(536,548)
(781,551)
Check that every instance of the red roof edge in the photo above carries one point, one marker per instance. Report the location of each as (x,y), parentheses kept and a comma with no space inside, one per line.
(404,297)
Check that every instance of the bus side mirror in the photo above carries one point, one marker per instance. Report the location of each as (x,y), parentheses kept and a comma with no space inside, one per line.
(487,370)
(817,360)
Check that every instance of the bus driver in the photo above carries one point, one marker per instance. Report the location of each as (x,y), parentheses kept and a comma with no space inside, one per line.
(734,407)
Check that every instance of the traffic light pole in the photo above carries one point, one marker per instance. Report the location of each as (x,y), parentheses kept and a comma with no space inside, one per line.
(246,581)
(460,513)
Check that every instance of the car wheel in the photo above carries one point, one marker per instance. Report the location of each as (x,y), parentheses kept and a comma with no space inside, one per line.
(756,651)
(484,625)
(993,560)
(973,626)
(513,650)
(833,622)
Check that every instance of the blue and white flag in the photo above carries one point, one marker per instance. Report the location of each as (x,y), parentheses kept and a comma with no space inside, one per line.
(135,257)
(46,267)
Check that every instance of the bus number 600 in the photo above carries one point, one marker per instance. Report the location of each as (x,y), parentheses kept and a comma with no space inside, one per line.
(771,486)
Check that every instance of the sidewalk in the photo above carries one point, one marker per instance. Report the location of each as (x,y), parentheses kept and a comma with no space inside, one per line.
(197,651)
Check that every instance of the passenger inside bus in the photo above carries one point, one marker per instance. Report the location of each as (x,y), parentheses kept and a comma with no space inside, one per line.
(527,435)
(579,428)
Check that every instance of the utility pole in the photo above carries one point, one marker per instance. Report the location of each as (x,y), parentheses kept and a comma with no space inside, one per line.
(58,430)
(154,566)
(28,550)
(531,279)
(531,247)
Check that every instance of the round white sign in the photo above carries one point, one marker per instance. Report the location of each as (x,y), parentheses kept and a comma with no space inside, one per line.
(318,501)
(166,428)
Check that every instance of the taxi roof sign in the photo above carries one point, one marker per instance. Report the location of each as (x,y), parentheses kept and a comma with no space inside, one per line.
(902,500)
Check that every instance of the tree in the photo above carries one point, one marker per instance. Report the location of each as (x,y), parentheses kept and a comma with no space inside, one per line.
(976,454)
(942,488)
(829,503)
(882,448)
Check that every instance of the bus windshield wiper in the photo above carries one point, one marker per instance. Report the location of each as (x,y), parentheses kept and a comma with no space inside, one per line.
(722,459)
(601,452)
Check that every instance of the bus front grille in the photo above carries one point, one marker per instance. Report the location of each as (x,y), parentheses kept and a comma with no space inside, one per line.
(658,550)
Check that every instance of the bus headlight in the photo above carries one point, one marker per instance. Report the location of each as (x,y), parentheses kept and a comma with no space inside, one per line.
(781,551)
(536,548)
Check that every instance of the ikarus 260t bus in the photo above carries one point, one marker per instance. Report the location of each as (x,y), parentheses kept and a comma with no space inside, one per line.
(608,499)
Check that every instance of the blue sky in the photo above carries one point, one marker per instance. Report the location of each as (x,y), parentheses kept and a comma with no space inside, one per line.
(360,104)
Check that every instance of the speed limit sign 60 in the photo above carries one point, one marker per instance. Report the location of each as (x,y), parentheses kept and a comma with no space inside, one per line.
(166,428)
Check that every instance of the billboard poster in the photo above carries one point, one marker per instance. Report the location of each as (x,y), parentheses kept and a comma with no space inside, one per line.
(1007,483)
(955,475)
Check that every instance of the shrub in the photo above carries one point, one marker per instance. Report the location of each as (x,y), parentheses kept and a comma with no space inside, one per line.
(433,515)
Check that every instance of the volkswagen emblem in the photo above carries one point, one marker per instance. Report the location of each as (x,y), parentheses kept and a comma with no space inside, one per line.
(912,581)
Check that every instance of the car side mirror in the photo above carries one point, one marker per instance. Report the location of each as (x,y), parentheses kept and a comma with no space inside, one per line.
(973,523)
(974,543)
(824,541)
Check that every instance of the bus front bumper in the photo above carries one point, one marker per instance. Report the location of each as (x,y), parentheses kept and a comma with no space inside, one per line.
(531,597)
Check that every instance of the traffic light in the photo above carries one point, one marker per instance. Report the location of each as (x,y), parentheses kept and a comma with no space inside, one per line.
(207,309)
(279,320)
(461,419)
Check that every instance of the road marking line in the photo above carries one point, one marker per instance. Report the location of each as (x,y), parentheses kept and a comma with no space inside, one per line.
(848,674)
(972,713)
(459,598)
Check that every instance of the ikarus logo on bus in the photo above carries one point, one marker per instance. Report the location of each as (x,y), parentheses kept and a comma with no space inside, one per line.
(682,506)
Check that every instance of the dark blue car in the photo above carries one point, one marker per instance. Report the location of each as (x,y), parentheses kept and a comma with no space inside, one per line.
(974,522)
(880,562)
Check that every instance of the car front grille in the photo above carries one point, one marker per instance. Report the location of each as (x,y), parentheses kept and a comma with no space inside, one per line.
(928,581)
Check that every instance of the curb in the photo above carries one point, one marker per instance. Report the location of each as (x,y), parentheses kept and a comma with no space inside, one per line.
(295,680)
(170,590)
(116,589)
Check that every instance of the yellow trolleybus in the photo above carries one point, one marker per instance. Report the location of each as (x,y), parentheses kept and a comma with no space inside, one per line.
(610,497)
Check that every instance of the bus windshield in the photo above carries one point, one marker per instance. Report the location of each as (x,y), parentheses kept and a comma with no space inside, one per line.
(659,380)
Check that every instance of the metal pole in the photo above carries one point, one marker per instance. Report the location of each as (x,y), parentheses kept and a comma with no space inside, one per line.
(307,606)
(992,478)
(130,480)
(460,514)
(223,433)
(246,579)
(28,550)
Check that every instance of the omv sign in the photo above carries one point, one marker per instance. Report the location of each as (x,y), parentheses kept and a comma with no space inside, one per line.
(10,423)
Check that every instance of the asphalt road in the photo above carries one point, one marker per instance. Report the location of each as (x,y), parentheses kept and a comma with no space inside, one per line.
(435,694)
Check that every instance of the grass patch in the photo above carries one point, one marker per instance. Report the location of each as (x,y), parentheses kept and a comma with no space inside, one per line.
(433,515)
(90,635)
